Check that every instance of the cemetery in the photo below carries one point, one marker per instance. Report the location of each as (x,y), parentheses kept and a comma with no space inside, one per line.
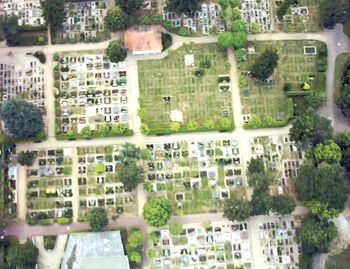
(24,80)
(99,185)
(258,12)
(191,80)
(84,22)
(301,70)
(219,244)
(90,92)
(196,176)
(49,187)
(282,156)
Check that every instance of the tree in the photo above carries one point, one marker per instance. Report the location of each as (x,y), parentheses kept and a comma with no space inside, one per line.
(116,19)
(328,152)
(183,6)
(86,131)
(343,141)
(264,65)
(236,3)
(240,39)
(255,166)
(333,12)
(116,51)
(21,118)
(283,204)
(236,14)
(241,55)
(130,6)
(312,130)
(317,236)
(54,14)
(129,153)
(103,129)
(40,56)
(22,255)
(322,211)
(98,219)
(238,26)
(157,211)
(26,158)
(324,183)
(145,129)
(135,238)
(131,175)
(11,28)
(225,39)
(261,181)
(237,209)
(176,228)
(261,203)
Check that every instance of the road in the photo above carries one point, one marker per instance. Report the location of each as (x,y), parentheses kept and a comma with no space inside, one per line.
(336,41)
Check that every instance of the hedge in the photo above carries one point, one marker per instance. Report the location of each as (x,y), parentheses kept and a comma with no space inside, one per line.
(275,124)
(42,136)
(31,28)
(167,131)
(60,136)
(63,220)
(298,93)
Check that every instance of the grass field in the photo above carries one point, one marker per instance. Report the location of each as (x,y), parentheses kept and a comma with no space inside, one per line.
(340,261)
(199,98)
(310,23)
(266,100)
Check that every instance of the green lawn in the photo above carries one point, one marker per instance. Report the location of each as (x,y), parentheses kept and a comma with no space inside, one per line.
(198,98)
(310,23)
(340,261)
(262,100)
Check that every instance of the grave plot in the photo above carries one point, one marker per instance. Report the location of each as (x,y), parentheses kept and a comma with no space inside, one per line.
(84,22)
(188,90)
(304,17)
(24,80)
(220,244)
(258,13)
(281,155)
(91,97)
(301,70)
(49,187)
(279,243)
(99,185)
(196,176)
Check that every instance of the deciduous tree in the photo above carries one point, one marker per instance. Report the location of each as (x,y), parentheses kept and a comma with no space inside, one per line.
(131,175)
(264,65)
(183,6)
(26,158)
(116,19)
(98,219)
(283,204)
(237,209)
(157,211)
(116,51)
(54,13)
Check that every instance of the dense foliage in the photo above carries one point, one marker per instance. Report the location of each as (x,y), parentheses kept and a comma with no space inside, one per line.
(22,255)
(116,51)
(157,211)
(183,6)
(333,12)
(10,28)
(264,65)
(129,6)
(131,175)
(21,118)
(54,14)
(134,245)
(26,158)
(237,209)
(98,219)
(116,19)
(283,204)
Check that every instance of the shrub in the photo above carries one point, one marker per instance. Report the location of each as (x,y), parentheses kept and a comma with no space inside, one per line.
(205,63)
(64,220)
(287,87)
(199,73)
(49,242)
(167,41)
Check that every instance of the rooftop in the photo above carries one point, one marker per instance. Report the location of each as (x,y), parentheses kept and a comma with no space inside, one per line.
(143,39)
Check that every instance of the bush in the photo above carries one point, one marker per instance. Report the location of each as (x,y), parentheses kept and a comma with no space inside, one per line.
(199,73)
(167,41)
(64,220)
(49,242)
(40,56)
(56,57)
(287,87)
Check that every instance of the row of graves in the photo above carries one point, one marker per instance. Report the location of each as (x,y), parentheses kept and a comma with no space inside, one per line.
(216,245)
(49,187)
(280,154)
(259,12)
(84,20)
(203,21)
(212,167)
(93,92)
(99,185)
(29,12)
(22,80)
(278,240)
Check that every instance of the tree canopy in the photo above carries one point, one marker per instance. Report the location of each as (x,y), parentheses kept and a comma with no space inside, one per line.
(98,219)
(324,183)
(333,12)
(129,153)
(157,211)
(21,118)
(225,39)
(22,255)
(183,6)
(237,209)
(264,65)
(54,14)
(261,202)
(26,158)
(131,175)
(255,166)
(10,28)
(176,228)
(328,152)
(134,245)
(116,51)
(238,25)
(283,204)
(316,237)
(130,6)
(116,19)
(240,39)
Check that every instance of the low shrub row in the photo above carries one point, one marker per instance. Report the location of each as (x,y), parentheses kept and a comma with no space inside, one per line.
(62,220)
(74,136)
(167,131)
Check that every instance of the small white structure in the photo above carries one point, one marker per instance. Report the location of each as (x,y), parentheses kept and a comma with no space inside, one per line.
(176,116)
(189,60)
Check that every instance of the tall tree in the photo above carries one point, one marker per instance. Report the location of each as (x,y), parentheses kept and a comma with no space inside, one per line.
(237,209)
(26,158)
(21,118)
(333,12)
(283,204)
(129,153)
(11,28)
(255,166)
(130,6)
(116,51)
(54,13)
(116,19)
(328,152)
(22,255)
(157,211)
(98,219)
(261,202)
(225,39)
(324,183)
(131,175)
(184,6)
(240,39)
(265,64)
